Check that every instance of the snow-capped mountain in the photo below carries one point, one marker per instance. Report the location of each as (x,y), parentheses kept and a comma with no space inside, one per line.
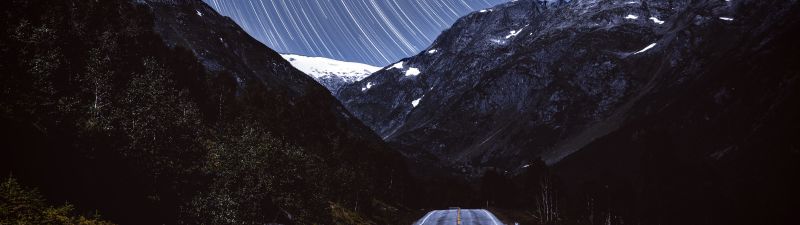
(331,73)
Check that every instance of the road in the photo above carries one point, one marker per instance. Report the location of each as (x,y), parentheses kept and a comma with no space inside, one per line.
(451,216)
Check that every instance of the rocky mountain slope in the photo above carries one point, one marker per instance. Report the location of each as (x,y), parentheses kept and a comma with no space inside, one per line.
(165,112)
(645,112)
(534,79)
(331,73)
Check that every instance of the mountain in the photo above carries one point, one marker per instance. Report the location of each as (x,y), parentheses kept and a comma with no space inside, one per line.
(509,84)
(331,73)
(166,112)
(658,112)
(531,79)
(562,112)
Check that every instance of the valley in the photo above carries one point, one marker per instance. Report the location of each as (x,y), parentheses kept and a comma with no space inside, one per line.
(517,112)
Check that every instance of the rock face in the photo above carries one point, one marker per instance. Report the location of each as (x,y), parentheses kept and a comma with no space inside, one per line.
(535,79)
(331,73)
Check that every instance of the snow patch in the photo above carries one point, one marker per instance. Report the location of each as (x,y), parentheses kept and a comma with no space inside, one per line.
(656,20)
(412,72)
(726,18)
(645,48)
(369,85)
(632,17)
(432,51)
(514,33)
(318,67)
(483,11)
(398,65)
(416,102)
(199,13)
(498,41)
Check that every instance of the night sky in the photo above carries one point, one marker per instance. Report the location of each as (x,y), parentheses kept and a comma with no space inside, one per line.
(376,32)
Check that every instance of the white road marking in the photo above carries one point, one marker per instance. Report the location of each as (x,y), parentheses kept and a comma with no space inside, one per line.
(486,212)
(426,216)
(494,221)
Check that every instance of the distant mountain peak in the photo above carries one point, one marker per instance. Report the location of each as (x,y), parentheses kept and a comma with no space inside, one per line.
(331,73)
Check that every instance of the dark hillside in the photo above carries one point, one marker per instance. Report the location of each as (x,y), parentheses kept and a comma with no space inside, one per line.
(109,105)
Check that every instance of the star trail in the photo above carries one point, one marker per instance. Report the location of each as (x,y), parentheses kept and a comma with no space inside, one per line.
(376,32)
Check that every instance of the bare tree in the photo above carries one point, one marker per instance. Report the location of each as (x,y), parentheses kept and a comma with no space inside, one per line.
(547,211)
(97,79)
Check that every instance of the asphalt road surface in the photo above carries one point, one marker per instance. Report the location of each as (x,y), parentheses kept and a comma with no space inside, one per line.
(451,216)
